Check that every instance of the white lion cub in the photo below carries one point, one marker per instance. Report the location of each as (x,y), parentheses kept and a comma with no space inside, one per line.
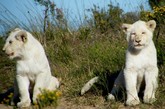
(140,66)
(32,66)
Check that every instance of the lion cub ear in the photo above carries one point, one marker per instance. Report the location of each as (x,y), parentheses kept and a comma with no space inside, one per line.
(21,36)
(151,25)
(16,29)
(125,27)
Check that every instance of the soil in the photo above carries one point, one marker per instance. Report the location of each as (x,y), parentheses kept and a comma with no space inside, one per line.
(63,104)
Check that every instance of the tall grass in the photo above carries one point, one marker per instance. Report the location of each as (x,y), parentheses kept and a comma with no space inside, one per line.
(76,55)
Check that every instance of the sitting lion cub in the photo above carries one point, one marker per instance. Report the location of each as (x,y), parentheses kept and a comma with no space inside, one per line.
(140,66)
(32,66)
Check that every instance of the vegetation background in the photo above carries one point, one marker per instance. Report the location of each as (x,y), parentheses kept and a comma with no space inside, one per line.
(95,48)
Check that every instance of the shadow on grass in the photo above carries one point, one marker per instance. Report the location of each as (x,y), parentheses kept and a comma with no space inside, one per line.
(105,85)
(6,97)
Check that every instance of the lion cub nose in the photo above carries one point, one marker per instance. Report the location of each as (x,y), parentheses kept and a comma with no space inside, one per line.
(137,41)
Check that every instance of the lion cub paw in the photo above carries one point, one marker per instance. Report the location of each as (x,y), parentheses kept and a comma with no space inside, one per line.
(110,97)
(149,100)
(23,104)
(132,102)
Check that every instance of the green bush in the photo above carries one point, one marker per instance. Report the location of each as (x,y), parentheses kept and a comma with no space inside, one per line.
(78,55)
(48,98)
(105,20)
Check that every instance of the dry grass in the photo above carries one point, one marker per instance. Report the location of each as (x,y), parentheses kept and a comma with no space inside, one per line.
(78,55)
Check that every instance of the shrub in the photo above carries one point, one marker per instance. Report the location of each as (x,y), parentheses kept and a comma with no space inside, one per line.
(105,20)
(157,14)
(48,98)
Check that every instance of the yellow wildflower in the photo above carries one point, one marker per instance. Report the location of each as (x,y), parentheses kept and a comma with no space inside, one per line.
(10,95)
(35,103)
(58,93)
(42,97)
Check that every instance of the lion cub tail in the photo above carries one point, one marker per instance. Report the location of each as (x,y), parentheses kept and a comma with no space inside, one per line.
(89,84)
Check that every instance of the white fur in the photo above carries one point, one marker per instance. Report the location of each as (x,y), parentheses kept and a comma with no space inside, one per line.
(140,65)
(32,66)
(89,84)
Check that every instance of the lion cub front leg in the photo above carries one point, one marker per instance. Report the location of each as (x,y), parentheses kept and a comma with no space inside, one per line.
(151,85)
(41,82)
(23,87)
(131,81)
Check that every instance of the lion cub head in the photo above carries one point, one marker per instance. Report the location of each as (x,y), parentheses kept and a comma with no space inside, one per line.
(139,34)
(15,43)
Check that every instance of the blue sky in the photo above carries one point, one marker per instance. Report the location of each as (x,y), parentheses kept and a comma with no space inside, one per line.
(73,9)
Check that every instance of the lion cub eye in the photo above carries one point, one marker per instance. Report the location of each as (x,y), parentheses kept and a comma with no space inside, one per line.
(133,33)
(10,42)
(143,32)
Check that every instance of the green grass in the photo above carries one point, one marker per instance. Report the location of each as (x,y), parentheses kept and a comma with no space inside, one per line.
(78,55)
(7,70)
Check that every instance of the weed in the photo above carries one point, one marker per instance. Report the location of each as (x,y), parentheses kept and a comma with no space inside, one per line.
(96,48)
(48,98)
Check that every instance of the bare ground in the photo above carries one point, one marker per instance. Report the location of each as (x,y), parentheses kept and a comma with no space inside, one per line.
(69,104)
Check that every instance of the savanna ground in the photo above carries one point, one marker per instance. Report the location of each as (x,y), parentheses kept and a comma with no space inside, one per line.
(95,48)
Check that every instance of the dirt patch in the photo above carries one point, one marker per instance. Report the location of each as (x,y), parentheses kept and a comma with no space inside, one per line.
(63,104)
(2,106)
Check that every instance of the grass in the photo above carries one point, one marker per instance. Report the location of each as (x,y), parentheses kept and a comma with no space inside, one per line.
(78,55)
(7,70)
